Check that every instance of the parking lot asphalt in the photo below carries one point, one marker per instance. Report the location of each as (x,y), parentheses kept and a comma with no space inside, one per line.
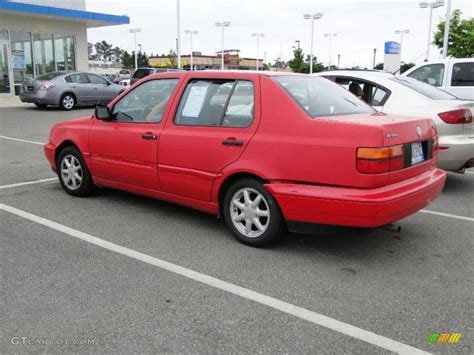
(402,286)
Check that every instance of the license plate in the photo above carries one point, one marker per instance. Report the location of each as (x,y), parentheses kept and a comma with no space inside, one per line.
(416,153)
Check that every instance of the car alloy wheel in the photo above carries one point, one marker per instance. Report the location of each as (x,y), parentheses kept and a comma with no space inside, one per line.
(249,212)
(71,172)
(68,102)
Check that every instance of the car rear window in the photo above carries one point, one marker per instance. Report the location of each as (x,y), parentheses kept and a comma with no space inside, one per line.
(49,76)
(320,97)
(422,88)
(141,73)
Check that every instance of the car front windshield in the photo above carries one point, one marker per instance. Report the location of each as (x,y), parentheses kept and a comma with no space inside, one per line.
(320,97)
(424,89)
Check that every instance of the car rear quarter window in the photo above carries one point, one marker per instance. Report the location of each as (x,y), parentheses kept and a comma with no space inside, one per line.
(320,97)
(431,74)
(424,89)
(226,103)
(463,74)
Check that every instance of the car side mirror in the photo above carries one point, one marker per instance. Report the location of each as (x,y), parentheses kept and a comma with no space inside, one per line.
(102,113)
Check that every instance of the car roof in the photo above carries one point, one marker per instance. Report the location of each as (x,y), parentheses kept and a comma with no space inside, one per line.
(221,73)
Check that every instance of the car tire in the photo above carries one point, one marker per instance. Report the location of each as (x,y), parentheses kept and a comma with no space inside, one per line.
(255,223)
(40,106)
(73,173)
(67,102)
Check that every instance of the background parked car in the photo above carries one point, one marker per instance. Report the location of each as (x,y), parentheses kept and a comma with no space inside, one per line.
(140,73)
(123,74)
(455,76)
(69,89)
(125,82)
(408,96)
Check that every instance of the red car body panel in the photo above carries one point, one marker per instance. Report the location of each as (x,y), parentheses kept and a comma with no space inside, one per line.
(309,165)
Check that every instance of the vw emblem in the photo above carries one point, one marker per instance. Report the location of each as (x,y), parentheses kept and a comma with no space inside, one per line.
(418,131)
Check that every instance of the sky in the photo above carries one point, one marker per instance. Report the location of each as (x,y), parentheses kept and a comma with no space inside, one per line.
(360,25)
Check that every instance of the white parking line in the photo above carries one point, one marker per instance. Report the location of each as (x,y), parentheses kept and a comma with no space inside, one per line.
(28,183)
(470,219)
(21,140)
(285,307)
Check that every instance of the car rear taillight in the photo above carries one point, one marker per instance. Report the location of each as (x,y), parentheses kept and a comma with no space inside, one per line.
(47,86)
(460,116)
(380,160)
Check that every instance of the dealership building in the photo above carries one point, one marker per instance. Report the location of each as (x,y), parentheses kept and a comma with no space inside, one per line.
(41,36)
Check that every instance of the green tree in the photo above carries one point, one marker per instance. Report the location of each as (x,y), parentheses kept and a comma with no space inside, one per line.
(279,64)
(90,51)
(379,66)
(142,59)
(461,36)
(128,60)
(405,66)
(172,59)
(104,50)
(297,64)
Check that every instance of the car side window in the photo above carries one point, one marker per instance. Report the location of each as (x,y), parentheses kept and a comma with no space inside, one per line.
(78,78)
(95,79)
(146,103)
(378,96)
(463,74)
(372,94)
(431,74)
(227,103)
(239,112)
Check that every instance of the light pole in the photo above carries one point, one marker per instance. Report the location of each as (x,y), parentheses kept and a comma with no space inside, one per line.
(446,30)
(135,31)
(375,53)
(312,17)
(178,34)
(330,36)
(222,25)
(338,61)
(264,58)
(258,35)
(401,32)
(432,5)
(191,33)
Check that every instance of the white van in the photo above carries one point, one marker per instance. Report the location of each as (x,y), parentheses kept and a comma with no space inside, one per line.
(455,76)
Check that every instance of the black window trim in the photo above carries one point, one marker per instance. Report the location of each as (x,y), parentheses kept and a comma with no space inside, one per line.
(235,80)
(385,99)
(128,93)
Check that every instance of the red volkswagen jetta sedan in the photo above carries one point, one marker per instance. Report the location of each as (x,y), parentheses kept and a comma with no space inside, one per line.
(267,151)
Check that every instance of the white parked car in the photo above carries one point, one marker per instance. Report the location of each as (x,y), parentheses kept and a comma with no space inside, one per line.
(125,82)
(408,96)
(455,76)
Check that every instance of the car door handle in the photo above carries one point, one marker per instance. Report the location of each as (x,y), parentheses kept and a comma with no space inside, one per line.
(149,136)
(232,142)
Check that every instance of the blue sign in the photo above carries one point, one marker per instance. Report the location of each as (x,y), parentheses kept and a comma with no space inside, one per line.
(392,47)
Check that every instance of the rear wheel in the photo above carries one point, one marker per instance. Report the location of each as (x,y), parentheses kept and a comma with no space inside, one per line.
(67,102)
(73,173)
(252,214)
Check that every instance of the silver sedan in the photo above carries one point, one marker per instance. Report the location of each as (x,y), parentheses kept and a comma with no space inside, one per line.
(69,89)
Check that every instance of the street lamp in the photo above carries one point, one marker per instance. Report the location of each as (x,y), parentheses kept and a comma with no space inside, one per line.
(401,32)
(222,25)
(178,34)
(135,31)
(312,17)
(258,35)
(191,33)
(330,36)
(432,5)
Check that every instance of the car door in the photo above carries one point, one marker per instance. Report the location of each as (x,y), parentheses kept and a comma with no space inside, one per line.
(212,125)
(80,85)
(124,149)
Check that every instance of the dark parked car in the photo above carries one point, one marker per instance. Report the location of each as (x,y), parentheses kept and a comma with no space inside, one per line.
(69,89)
(140,73)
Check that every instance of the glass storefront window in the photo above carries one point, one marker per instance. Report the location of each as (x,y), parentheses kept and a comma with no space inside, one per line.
(64,52)
(22,41)
(44,56)
(3,34)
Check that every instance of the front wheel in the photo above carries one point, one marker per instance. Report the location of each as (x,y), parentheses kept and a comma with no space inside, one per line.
(252,214)
(67,102)
(73,173)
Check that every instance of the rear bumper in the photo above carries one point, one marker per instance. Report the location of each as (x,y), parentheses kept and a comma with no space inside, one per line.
(358,207)
(460,151)
(50,153)
(40,97)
